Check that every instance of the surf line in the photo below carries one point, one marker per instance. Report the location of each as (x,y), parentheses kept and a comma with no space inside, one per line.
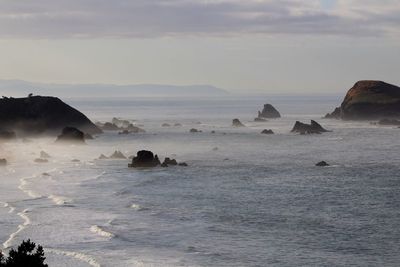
(79,256)
(21,227)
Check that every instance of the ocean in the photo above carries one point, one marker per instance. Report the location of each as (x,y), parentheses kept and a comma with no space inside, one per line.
(245,199)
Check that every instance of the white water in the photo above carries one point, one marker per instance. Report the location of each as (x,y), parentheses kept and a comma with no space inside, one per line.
(258,200)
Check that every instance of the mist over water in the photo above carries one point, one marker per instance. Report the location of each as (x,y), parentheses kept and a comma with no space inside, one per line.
(258,200)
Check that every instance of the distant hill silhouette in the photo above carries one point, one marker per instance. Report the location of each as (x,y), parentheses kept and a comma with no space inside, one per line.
(23,88)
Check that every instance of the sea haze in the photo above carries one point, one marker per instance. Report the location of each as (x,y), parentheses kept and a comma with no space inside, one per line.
(256,200)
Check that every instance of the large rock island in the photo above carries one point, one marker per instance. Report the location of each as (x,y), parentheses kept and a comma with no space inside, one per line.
(369,100)
(41,114)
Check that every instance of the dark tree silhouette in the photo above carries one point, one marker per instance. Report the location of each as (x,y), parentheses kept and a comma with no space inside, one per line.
(24,256)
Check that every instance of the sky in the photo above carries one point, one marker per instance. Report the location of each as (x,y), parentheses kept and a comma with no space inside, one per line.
(251,46)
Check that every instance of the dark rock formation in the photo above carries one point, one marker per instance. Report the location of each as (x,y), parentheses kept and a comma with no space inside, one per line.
(3,162)
(313,128)
(41,114)
(40,160)
(134,129)
(44,155)
(145,158)
(322,164)
(193,130)
(334,115)
(102,156)
(267,131)
(391,122)
(88,136)
(124,132)
(260,120)
(169,161)
(7,135)
(165,125)
(71,134)
(117,155)
(184,164)
(269,112)
(177,125)
(370,100)
(108,126)
(237,123)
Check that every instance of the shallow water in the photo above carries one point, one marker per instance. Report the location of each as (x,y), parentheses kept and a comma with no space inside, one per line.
(256,201)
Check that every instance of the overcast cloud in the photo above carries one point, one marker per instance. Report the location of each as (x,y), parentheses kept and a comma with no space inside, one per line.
(159,18)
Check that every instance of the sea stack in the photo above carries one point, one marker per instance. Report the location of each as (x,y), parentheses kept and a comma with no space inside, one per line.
(269,112)
(145,158)
(369,100)
(237,123)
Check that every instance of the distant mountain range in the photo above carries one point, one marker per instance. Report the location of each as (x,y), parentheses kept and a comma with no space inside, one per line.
(18,88)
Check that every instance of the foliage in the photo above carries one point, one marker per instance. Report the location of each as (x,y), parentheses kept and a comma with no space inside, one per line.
(24,256)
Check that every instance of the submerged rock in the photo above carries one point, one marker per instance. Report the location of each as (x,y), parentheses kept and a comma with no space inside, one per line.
(313,128)
(3,162)
(41,114)
(322,164)
(391,122)
(260,120)
(237,123)
(117,155)
(177,125)
(71,134)
(40,160)
(193,130)
(269,112)
(165,125)
(267,131)
(183,164)
(134,129)
(145,158)
(44,155)
(369,100)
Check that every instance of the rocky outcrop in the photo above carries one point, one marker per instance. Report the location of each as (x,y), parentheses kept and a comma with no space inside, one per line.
(108,126)
(313,128)
(117,155)
(237,123)
(145,158)
(369,100)
(120,123)
(193,130)
(71,134)
(269,112)
(102,156)
(322,164)
(267,131)
(165,125)
(134,129)
(334,115)
(41,115)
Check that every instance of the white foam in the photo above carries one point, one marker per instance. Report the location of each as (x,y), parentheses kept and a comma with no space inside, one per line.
(21,227)
(97,230)
(79,256)
(59,200)
(23,187)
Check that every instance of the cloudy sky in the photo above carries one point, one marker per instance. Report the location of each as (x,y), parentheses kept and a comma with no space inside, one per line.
(288,46)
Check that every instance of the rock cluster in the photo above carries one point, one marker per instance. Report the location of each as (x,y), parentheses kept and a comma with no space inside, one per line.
(71,134)
(269,112)
(313,128)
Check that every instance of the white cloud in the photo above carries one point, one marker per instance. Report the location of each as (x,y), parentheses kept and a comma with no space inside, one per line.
(157,18)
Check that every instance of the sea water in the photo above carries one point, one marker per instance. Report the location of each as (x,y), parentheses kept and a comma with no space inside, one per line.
(246,199)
